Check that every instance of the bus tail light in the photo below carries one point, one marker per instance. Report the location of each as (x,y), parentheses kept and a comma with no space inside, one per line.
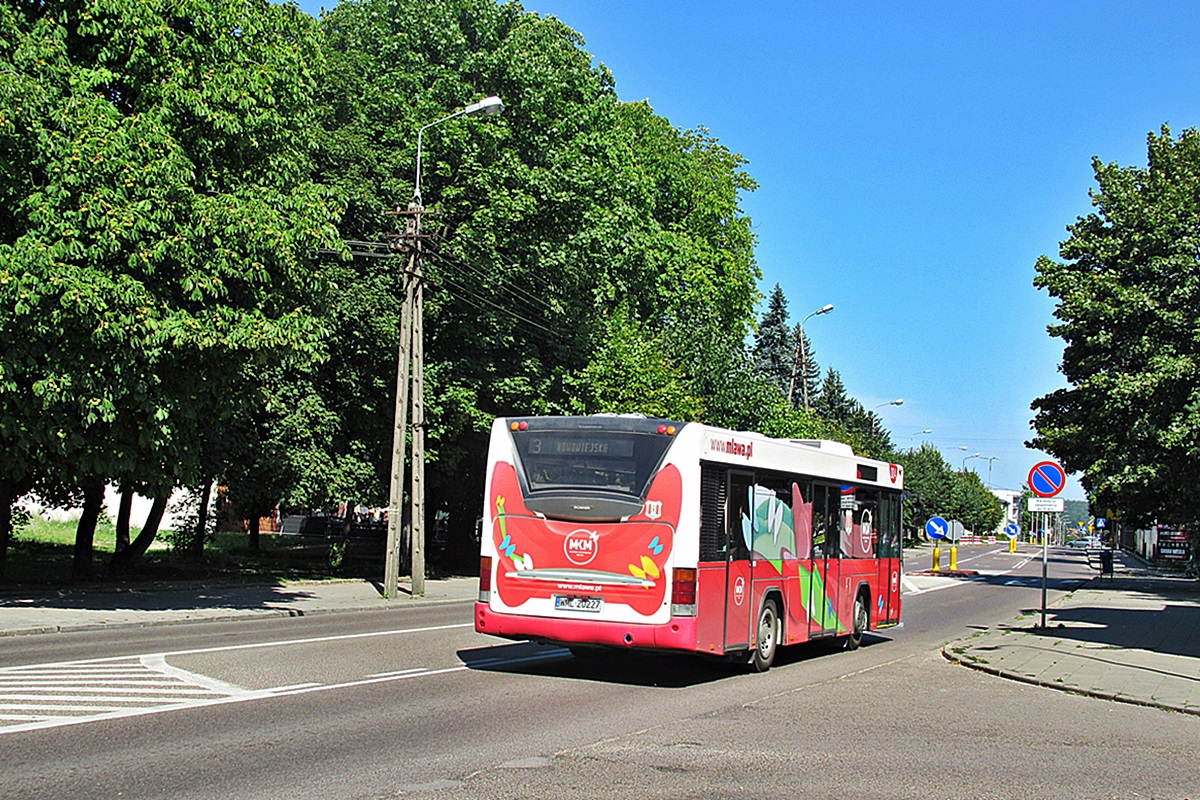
(683,592)
(485,579)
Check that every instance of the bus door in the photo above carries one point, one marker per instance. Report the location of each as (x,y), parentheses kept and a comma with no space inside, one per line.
(887,609)
(826,546)
(739,603)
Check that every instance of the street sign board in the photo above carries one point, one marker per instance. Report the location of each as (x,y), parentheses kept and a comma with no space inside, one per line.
(1047,479)
(1045,504)
(1101,522)
(1011,531)
(956,531)
(937,528)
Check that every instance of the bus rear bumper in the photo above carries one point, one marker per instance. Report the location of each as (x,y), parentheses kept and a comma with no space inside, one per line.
(680,633)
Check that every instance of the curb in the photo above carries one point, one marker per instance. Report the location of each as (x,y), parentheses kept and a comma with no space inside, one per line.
(953,658)
(249,614)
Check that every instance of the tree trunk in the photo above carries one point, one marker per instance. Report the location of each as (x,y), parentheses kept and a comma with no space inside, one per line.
(85,534)
(125,560)
(8,496)
(196,546)
(123,512)
(252,526)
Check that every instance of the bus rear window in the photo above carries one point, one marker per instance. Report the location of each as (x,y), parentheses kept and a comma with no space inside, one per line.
(613,461)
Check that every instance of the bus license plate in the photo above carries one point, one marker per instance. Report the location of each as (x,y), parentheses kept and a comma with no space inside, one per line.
(570,602)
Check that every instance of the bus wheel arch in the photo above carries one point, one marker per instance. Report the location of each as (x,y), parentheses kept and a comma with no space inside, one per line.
(860,618)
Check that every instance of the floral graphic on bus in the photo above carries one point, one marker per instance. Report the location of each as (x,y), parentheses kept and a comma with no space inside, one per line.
(621,562)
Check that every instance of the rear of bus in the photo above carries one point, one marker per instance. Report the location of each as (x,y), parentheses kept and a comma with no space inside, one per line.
(579,540)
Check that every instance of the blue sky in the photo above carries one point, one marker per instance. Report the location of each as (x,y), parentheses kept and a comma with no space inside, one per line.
(913,161)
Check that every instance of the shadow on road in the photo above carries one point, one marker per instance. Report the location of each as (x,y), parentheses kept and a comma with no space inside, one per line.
(1159,615)
(158,598)
(634,668)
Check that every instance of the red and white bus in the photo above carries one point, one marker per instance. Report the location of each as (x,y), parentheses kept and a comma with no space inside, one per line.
(631,532)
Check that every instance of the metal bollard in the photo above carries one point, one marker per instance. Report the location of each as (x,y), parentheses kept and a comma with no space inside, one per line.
(937,559)
(953,558)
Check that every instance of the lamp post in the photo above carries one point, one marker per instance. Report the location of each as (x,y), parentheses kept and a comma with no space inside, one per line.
(990,459)
(899,401)
(925,432)
(968,458)
(802,355)
(412,353)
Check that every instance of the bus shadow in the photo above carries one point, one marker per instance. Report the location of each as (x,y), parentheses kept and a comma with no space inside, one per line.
(628,668)
(633,668)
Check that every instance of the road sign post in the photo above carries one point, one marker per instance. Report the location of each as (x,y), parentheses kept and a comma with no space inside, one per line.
(1012,532)
(937,529)
(1046,479)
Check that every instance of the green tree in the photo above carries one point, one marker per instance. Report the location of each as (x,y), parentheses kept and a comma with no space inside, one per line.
(773,354)
(972,503)
(1128,311)
(159,221)
(927,482)
(632,373)
(549,219)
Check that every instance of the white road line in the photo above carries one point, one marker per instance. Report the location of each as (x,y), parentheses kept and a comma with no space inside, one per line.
(158,663)
(158,686)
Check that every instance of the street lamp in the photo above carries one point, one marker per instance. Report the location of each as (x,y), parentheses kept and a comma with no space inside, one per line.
(899,401)
(485,107)
(925,432)
(990,459)
(968,458)
(412,351)
(802,354)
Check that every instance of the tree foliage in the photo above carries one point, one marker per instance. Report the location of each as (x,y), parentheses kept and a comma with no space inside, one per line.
(1128,311)
(773,357)
(170,172)
(159,217)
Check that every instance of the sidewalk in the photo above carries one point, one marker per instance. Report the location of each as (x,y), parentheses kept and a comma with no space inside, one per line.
(1133,637)
(73,609)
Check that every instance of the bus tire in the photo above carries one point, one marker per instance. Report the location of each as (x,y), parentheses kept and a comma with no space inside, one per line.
(861,621)
(767,640)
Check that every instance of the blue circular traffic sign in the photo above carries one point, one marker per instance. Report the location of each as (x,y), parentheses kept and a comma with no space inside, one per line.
(1047,479)
(1011,531)
(937,528)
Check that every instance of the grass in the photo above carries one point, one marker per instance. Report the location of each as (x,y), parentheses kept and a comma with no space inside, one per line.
(42,552)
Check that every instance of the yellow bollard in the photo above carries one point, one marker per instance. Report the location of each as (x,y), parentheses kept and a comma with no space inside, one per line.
(953,558)
(937,559)
(1012,545)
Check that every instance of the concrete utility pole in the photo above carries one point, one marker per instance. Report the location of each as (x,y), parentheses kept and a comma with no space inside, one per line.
(802,356)
(404,361)
(412,354)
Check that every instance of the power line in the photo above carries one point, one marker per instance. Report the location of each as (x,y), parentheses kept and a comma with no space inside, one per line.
(517,292)
(463,292)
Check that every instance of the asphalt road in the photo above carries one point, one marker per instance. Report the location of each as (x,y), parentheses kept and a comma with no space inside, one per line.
(413,703)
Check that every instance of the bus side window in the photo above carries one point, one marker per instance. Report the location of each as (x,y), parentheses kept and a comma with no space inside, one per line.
(739,518)
(802,506)
(826,517)
(774,522)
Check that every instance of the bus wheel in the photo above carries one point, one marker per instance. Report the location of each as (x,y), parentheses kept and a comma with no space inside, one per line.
(861,622)
(768,638)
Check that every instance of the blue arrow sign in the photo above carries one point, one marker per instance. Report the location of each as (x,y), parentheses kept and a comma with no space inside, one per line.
(937,528)
(1011,531)
(1047,479)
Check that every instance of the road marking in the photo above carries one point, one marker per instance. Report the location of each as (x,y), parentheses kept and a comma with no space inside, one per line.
(39,696)
(984,575)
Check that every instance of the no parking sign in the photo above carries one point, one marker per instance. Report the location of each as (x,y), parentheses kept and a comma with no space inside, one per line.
(1047,479)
